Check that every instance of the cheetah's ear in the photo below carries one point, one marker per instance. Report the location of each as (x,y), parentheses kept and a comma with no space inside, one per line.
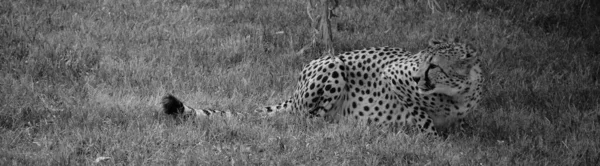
(471,52)
(436,42)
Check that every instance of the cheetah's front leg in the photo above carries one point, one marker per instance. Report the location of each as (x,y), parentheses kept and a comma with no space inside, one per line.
(422,121)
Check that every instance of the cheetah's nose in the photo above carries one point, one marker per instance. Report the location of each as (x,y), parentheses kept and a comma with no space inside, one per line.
(416,79)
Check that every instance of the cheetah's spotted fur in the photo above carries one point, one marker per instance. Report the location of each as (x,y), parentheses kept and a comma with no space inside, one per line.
(386,86)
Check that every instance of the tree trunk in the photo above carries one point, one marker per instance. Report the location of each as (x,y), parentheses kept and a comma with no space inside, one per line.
(325,27)
(320,13)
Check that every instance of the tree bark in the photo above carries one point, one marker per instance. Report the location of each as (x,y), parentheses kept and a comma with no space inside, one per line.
(320,13)
(325,28)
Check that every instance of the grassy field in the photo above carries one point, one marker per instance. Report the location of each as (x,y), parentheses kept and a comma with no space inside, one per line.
(83,79)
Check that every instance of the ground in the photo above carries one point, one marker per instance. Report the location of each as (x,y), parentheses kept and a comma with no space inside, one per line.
(82,80)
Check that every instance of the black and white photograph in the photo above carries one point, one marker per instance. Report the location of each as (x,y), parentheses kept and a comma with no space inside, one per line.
(300,82)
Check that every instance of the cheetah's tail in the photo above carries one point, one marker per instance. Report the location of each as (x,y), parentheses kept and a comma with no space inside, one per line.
(173,106)
(283,107)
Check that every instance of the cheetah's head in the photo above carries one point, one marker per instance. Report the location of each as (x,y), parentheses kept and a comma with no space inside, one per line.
(444,65)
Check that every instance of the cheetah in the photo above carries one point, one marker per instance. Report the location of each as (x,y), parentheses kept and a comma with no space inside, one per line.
(433,88)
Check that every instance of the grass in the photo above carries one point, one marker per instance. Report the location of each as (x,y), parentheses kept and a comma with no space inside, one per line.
(83,79)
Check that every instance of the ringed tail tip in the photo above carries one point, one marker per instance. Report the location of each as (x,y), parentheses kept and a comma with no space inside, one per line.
(172,105)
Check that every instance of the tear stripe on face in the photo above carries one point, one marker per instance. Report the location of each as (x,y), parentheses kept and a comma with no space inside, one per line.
(427,80)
